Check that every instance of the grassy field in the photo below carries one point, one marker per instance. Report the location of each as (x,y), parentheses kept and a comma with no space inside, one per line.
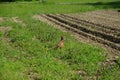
(24,44)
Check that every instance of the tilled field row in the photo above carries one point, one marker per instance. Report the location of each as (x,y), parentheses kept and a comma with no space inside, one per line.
(100,37)
(105,29)
(108,13)
(100,17)
(90,31)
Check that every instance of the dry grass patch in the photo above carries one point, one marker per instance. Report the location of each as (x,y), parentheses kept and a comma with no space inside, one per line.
(17,20)
(1,19)
(5,29)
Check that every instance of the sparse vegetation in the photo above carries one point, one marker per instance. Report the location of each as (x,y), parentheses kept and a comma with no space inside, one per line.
(23,49)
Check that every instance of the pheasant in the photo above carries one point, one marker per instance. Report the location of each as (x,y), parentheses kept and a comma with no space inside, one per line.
(60,44)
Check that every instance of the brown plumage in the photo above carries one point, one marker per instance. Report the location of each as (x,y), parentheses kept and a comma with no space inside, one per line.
(60,44)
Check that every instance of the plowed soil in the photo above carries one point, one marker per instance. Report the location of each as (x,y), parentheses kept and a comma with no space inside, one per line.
(97,27)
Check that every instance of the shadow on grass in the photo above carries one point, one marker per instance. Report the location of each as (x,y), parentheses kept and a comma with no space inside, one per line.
(114,4)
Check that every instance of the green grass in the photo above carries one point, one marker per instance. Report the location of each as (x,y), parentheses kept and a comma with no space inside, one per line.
(80,1)
(23,50)
(11,9)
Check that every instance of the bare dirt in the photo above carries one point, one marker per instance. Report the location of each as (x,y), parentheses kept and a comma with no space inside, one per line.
(101,28)
(108,18)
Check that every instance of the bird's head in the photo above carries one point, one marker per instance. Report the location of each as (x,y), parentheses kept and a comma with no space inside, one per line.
(62,37)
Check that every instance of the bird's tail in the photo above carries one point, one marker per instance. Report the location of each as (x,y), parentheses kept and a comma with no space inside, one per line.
(55,47)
